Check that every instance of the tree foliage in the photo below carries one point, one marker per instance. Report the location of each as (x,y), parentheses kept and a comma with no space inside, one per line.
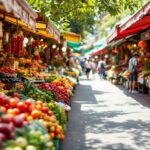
(79,15)
(108,22)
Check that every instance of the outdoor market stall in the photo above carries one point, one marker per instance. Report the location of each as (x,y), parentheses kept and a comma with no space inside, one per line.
(128,38)
(33,101)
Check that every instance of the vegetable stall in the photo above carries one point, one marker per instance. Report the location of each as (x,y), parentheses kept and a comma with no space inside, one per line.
(34,96)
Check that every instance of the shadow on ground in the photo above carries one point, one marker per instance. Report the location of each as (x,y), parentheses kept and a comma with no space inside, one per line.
(88,128)
(143,99)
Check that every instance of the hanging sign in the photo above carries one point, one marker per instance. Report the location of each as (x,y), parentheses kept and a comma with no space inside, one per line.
(21,10)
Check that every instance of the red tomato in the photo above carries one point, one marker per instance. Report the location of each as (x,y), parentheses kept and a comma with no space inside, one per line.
(45,109)
(28,102)
(31,108)
(57,131)
(50,113)
(13,102)
(22,106)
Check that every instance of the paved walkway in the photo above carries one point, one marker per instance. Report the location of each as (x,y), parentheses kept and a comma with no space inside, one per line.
(107,117)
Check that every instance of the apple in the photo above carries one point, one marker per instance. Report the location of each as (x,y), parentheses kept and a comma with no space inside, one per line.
(18,121)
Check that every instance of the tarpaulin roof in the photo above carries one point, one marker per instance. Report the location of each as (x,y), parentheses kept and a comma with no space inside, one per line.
(103,49)
(137,22)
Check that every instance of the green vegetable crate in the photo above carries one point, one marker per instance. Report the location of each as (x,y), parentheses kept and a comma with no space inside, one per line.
(57,144)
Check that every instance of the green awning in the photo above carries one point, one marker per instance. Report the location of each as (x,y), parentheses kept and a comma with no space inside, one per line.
(77,50)
(88,50)
(73,44)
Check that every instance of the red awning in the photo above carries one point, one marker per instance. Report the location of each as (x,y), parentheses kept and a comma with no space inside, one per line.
(98,52)
(137,22)
(137,17)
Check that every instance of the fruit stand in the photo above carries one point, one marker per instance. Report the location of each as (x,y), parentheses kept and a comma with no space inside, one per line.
(34,99)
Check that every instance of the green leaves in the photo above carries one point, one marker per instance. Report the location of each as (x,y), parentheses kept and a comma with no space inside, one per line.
(81,13)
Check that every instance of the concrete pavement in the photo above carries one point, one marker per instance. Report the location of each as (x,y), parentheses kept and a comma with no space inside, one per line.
(107,117)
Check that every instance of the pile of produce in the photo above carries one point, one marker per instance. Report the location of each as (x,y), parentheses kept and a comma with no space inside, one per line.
(113,72)
(146,65)
(64,82)
(16,45)
(16,134)
(51,78)
(37,94)
(125,73)
(60,92)
(144,74)
(8,70)
(20,112)
(70,73)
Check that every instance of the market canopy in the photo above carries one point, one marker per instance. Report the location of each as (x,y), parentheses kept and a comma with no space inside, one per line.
(77,50)
(74,46)
(21,10)
(101,50)
(137,22)
(47,26)
(70,36)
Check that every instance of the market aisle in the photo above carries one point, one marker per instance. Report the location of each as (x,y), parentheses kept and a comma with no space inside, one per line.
(106,117)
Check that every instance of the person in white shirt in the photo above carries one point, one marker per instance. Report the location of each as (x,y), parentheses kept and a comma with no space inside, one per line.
(87,67)
(133,73)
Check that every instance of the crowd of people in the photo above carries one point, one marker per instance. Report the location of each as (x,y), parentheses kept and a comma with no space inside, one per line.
(95,66)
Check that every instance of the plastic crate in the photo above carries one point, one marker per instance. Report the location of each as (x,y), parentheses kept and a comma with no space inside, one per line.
(56,144)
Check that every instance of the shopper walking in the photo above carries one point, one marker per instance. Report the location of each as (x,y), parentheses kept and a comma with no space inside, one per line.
(94,67)
(133,73)
(101,68)
(87,67)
